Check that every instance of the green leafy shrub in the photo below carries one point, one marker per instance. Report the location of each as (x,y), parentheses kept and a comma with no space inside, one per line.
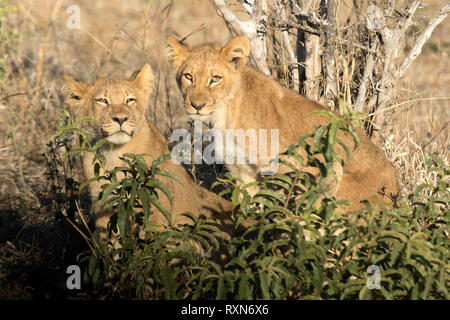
(301,246)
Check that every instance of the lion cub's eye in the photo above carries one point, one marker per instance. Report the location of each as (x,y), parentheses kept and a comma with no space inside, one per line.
(130,100)
(215,79)
(102,101)
(188,76)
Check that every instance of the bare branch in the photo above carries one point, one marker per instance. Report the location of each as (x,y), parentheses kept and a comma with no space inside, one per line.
(368,70)
(392,71)
(229,16)
(309,52)
(406,22)
(247,4)
(425,35)
(302,27)
(310,15)
(330,64)
(313,66)
(253,30)
(293,64)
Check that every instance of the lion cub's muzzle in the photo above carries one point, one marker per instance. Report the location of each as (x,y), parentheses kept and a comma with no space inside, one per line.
(120,119)
(198,105)
(198,108)
(119,129)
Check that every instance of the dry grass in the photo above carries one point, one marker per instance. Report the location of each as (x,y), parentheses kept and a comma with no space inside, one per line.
(116,38)
(421,115)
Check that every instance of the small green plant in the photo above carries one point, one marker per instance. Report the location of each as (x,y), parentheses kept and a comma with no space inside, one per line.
(300,245)
(152,259)
(148,252)
(300,250)
(63,194)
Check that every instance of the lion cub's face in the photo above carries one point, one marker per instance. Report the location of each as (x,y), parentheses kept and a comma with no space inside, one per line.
(208,76)
(118,104)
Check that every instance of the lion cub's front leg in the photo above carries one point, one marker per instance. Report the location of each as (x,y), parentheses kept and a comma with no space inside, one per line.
(247,174)
(100,215)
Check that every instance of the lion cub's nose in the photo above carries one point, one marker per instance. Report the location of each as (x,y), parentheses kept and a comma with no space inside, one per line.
(120,120)
(197,106)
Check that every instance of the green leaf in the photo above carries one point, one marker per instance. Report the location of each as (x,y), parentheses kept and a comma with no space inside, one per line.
(271,194)
(152,226)
(86,119)
(70,128)
(264,283)
(87,182)
(244,292)
(161,186)
(122,219)
(154,200)
(318,136)
(327,113)
(169,175)
(235,195)
(331,141)
(108,190)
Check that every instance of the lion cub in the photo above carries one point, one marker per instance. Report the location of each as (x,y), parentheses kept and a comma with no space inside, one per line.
(219,88)
(119,107)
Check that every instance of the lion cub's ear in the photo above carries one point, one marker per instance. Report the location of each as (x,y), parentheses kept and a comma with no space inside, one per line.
(237,51)
(74,90)
(177,52)
(143,78)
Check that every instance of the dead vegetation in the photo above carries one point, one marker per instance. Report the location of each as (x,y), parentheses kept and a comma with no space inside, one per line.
(116,38)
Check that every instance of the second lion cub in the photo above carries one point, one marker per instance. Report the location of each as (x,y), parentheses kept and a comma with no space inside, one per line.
(219,88)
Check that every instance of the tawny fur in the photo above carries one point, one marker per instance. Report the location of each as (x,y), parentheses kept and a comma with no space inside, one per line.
(138,137)
(244,98)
